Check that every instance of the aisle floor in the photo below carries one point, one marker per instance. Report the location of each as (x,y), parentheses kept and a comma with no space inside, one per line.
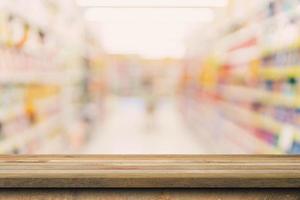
(126,131)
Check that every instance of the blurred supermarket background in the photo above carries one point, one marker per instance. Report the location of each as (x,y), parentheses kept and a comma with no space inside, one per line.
(150,76)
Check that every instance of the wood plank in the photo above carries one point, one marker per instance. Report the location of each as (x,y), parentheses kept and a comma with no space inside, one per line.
(145,171)
(150,194)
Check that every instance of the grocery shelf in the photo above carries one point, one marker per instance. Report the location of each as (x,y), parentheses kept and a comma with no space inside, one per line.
(251,30)
(250,94)
(21,139)
(30,77)
(12,110)
(270,50)
(280,72)
(258,120)
(250,139)
(252,70)
(230,130)
(44,73)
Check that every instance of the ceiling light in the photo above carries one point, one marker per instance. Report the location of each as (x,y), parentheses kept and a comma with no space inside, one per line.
(145,15)
(152,3)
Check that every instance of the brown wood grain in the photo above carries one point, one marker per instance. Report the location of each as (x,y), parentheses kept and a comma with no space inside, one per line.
(150,171)
(150,194)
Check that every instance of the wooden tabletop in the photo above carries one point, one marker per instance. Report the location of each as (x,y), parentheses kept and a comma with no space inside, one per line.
(150,171)
(149,194)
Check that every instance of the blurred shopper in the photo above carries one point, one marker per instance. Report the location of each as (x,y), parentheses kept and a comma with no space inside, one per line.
(150,99)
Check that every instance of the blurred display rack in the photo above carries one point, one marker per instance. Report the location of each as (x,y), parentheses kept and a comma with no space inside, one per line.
(254,29)
(32,66)
(248,94)
(277,73)
(21,139)
(30,78)
(243,116)
(260,121)
(233,130)
(232,93)
(270,73)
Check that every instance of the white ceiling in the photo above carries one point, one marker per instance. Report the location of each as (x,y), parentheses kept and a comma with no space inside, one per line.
(151,28)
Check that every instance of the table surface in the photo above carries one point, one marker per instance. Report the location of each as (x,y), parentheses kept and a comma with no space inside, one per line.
(150,171)
(150,194)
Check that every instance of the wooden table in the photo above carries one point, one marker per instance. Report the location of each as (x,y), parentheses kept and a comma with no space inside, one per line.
(149,177)
(150,194)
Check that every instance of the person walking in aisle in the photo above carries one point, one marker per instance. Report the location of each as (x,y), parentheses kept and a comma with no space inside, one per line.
(150,100)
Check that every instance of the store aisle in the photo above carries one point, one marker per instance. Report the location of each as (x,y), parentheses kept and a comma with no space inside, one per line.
(125,131)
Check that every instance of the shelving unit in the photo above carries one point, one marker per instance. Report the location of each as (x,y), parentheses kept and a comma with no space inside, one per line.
(251,71)
(43,71)
(248,94)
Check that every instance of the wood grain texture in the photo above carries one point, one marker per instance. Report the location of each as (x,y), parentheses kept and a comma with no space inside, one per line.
(150,194)
(150,171)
